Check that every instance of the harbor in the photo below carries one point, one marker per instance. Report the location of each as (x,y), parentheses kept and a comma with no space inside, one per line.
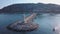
(46,23)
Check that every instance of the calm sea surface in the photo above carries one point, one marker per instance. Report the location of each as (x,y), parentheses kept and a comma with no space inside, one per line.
(46,23)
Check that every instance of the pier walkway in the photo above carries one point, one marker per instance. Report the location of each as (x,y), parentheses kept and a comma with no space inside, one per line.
(30,18)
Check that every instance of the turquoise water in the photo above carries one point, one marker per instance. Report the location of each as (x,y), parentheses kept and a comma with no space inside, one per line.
(46,23)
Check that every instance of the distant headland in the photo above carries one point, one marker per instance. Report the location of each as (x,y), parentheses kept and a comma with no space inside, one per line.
(31,7)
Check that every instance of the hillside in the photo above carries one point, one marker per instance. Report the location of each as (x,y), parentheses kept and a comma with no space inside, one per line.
(31,7)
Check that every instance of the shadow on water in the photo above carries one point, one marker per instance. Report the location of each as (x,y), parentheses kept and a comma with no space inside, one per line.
(39,16)
(23,33)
